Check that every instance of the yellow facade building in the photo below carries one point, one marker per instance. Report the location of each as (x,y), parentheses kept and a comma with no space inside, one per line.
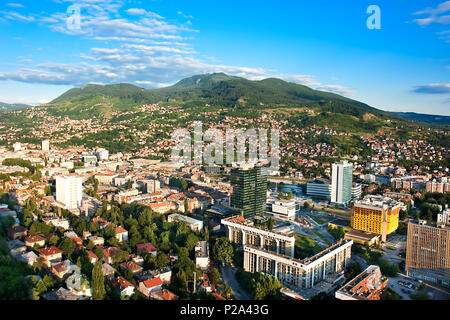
(375,214)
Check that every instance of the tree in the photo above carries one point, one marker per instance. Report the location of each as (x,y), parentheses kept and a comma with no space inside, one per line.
(214,276)
(353,270)
(223,250)
(120,256)
(48,190)
(227,292)
(98,282)
(186,206)
(270,224)
(161,260)
(6,222)
(27,218)
(206,234)
(289,195)
(306,206)
(67,246)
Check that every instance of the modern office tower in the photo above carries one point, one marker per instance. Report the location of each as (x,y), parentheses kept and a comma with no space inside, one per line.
(45,145)
(428,252)
(341,183)
(69,191)
(368,285)
(249,190)
(242,231)
(307,277)
(375,214)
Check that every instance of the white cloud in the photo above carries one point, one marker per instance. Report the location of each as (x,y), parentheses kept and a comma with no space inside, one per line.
(143,49)
(434,15)
(143,12)
(12,15)
(15,5)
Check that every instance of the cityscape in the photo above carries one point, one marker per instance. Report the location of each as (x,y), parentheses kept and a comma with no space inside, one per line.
(216,183)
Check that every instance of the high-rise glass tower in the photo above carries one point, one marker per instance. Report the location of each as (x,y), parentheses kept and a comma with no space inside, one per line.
(249,190)
(341,183)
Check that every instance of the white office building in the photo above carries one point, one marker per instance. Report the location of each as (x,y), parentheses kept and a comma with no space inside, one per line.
(284,208)
(69,191)
(341,183)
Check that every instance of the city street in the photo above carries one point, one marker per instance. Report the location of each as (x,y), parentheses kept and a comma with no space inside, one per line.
(229,277)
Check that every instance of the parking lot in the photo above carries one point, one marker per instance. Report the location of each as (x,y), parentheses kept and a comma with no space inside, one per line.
(405,286)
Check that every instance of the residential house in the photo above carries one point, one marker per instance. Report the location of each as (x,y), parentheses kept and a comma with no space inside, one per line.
(36,240)
(50,255)
(97,241)
(137,259)
(64,268)
(131,266)
(92,257)
(28,257)
(123,286)
(146,247)
(163,294)
(17,232)
(146,287)
(108,271)
(108,253)
(61,294)
(16,247)
(121,234)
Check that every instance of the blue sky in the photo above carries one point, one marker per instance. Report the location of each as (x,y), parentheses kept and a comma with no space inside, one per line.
(404,66)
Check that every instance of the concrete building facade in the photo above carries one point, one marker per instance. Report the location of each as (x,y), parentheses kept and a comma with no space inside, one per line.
(428,252)
(69,191)
(243,232)
(299,274)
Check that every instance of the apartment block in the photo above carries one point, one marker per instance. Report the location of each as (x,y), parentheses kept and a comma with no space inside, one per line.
(244,232)
(428,252)
(308,277)
(368,285)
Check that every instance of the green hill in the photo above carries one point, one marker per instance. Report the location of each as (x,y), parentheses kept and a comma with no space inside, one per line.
(215,90)
(11,107)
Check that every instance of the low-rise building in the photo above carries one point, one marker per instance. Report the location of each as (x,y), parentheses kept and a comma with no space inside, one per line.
(194,224)
(202,255)
(368,285)
(284,208)
(35,240)
(122,286)
(148,286)
(51,255)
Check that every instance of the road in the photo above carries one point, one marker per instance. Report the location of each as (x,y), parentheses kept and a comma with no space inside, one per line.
(229,277)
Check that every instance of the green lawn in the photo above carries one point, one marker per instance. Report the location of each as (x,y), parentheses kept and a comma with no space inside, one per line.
(305,247)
